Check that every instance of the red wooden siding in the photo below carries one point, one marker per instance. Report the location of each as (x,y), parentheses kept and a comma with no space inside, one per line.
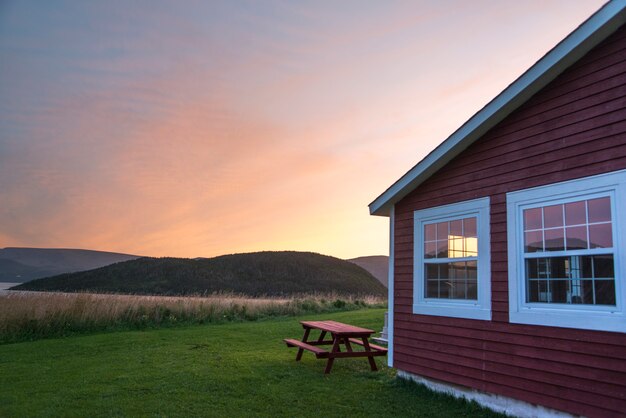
(575,127)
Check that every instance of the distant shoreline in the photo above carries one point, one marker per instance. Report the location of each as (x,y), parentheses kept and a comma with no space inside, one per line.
(5,285)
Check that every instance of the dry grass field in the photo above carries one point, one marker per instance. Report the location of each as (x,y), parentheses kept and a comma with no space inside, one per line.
(34,315)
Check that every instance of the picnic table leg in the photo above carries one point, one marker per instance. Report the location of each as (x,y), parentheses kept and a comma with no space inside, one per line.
(329,365)
(321,338)
(346,341)
(366,345)
(331,359)
(304,339)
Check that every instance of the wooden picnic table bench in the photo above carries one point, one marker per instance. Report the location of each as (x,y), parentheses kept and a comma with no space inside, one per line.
(341,334)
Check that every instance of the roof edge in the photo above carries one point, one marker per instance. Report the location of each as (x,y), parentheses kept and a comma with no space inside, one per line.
(574,46)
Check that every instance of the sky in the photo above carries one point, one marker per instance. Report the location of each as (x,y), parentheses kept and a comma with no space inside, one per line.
(201,128)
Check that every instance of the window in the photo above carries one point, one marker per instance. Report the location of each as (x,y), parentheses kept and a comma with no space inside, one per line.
(451,260)
(564,258)
(582,233)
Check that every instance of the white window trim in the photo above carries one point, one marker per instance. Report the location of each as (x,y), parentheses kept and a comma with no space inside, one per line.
(566,315)
(455,308)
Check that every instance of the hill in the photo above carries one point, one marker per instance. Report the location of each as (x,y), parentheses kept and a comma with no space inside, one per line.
(264,273)
(377,265)
(12,271)
(24,264)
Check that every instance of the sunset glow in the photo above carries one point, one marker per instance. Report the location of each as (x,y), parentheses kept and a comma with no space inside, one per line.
(204,128)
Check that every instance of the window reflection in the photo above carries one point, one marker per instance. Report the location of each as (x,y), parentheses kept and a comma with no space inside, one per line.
(577,225)
(460,246)
(451,239)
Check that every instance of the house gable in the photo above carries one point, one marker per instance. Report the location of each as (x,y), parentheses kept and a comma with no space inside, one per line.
(599,26)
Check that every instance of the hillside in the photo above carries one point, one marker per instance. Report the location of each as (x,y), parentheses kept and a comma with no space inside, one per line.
(24,264)
(254,274)
(377,265)
(12,271)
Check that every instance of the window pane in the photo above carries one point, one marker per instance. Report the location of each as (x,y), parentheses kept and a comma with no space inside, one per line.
(455,247)
(543,293)
(532,268)
(469,226)
(432,280)
(442,231)
(444,289)
(456,282)
(586,268)
(430,232)
(605,292)
(579,233)
(472,290)
(582,292)
(575,213)
(452,239)
(552,216)
(533,241)
(599,210)
(532,219)
(472,270)
(430,250)
(576,238)
(432,271)
(559,290)
(585,280)
(600,236)
(456,228)
(471,247)
(559,267)
(443,271)
(554,239)
(457,289)
(456,271)
(603,266)
(432,288)
(451,280)
(442,249)
(532,291)
(538,291)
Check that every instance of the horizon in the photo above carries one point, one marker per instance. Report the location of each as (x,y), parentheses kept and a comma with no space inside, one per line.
(166,256)
(221,128)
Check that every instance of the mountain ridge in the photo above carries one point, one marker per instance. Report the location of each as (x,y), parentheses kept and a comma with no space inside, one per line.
(266,273)
(21,264)
(377,265)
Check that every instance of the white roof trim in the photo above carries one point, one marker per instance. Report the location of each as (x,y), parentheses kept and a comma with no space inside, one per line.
(589,34)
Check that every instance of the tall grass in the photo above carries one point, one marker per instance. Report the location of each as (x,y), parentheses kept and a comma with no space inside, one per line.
(33,315)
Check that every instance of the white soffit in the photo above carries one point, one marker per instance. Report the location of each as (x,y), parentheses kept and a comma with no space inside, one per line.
(589,34)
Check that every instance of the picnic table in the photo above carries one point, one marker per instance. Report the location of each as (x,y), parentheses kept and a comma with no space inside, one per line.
(341,334)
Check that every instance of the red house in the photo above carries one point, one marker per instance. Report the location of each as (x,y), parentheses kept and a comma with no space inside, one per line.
(508,241)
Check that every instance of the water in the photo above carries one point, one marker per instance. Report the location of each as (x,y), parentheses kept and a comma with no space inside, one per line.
(4,286)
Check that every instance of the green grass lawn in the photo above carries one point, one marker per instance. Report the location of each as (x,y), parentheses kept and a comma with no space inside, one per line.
(235,369)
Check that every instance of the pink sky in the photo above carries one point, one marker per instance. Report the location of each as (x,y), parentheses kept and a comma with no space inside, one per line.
(205,128)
